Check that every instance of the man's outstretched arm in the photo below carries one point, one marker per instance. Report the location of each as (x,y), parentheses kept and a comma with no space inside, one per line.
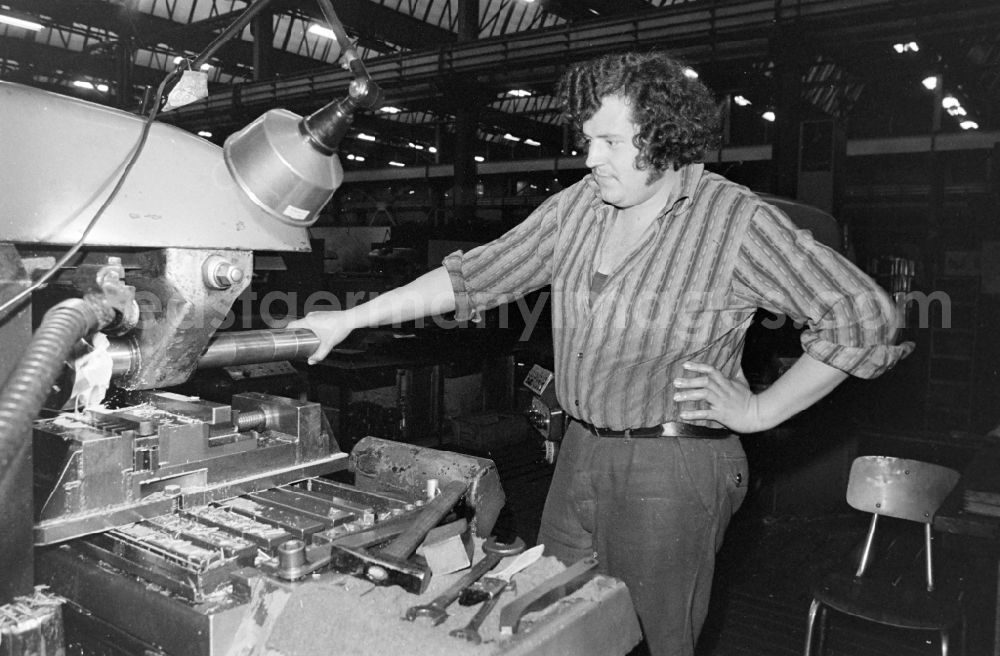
(430,294)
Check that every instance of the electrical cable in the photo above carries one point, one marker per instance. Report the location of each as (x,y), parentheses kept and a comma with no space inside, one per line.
(74,249)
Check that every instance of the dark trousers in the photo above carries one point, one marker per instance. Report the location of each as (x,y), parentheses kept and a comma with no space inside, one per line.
(654,511)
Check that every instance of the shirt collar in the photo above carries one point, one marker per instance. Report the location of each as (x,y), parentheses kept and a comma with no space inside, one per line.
(690,179)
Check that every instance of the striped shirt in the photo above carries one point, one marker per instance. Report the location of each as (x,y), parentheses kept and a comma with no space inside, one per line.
(686,293)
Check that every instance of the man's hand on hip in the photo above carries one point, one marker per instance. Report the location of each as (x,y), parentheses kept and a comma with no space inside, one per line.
(730,402)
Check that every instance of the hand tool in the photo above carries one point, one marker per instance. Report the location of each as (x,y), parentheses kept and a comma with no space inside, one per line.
(495,585)
(471,630)
(495,582)
(390,566)
(351,554)
(549,591)
(495,551)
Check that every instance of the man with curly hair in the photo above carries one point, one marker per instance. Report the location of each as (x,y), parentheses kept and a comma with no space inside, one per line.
(656,268)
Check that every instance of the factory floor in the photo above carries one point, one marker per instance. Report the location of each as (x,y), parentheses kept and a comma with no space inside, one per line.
(764,573)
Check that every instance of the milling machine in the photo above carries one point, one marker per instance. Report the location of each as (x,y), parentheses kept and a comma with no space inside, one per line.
(129,240)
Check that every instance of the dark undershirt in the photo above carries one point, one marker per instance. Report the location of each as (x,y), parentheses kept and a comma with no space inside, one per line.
(597,284)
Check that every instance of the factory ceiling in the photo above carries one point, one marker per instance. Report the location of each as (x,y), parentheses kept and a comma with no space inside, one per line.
(494,62)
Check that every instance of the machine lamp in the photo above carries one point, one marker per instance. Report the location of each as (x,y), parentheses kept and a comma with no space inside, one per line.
(287,165)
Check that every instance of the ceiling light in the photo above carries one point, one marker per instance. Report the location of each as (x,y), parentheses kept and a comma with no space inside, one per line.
(83,84)
(768,116)
(103,88)
(396,164)
(415,146)
(690,73)
(510,137)
(206,67)
(365,137)
(389,109)
(742,101)
(320,30)
(909,46)
(532,142)
(950,101)
(432,149)
(519,93)
(956,111)
(359,158)
(573,153)
(930,82)
(969,125)
(20,22)
(205,133)
(479,158)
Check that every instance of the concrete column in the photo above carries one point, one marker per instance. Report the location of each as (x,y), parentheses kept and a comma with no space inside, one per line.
(466,121)
(466,124)
(936,175)
(789,66)
(262,28)
(468,20)
(123,74)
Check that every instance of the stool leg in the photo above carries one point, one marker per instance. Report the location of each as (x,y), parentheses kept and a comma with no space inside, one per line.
(813,607)
(821,642)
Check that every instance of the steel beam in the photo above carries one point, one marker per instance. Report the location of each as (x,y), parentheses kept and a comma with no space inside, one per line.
(371,20)
(574,10)
(699,32)
(855,148)
(148,30)
(72,62)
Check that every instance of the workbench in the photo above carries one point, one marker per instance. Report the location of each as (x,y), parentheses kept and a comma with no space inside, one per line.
(344,615)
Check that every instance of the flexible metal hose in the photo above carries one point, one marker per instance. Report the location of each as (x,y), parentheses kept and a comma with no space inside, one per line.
(29,383)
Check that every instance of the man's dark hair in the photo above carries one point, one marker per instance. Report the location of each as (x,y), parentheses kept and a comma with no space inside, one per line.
(676,114)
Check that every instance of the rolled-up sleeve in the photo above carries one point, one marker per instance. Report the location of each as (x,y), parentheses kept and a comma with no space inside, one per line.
(506,268)
(851,322)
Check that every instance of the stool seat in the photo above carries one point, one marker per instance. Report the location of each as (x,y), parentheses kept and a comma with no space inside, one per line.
(908,605)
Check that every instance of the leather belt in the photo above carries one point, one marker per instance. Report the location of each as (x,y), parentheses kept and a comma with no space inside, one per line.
(669,429)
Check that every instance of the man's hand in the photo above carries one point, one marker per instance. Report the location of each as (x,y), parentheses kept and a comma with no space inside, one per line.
(730,402)
(331,327)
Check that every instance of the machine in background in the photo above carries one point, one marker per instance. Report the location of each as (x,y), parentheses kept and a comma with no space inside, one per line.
(544,413)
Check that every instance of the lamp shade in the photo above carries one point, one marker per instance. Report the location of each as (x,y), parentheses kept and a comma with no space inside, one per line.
(278,167)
